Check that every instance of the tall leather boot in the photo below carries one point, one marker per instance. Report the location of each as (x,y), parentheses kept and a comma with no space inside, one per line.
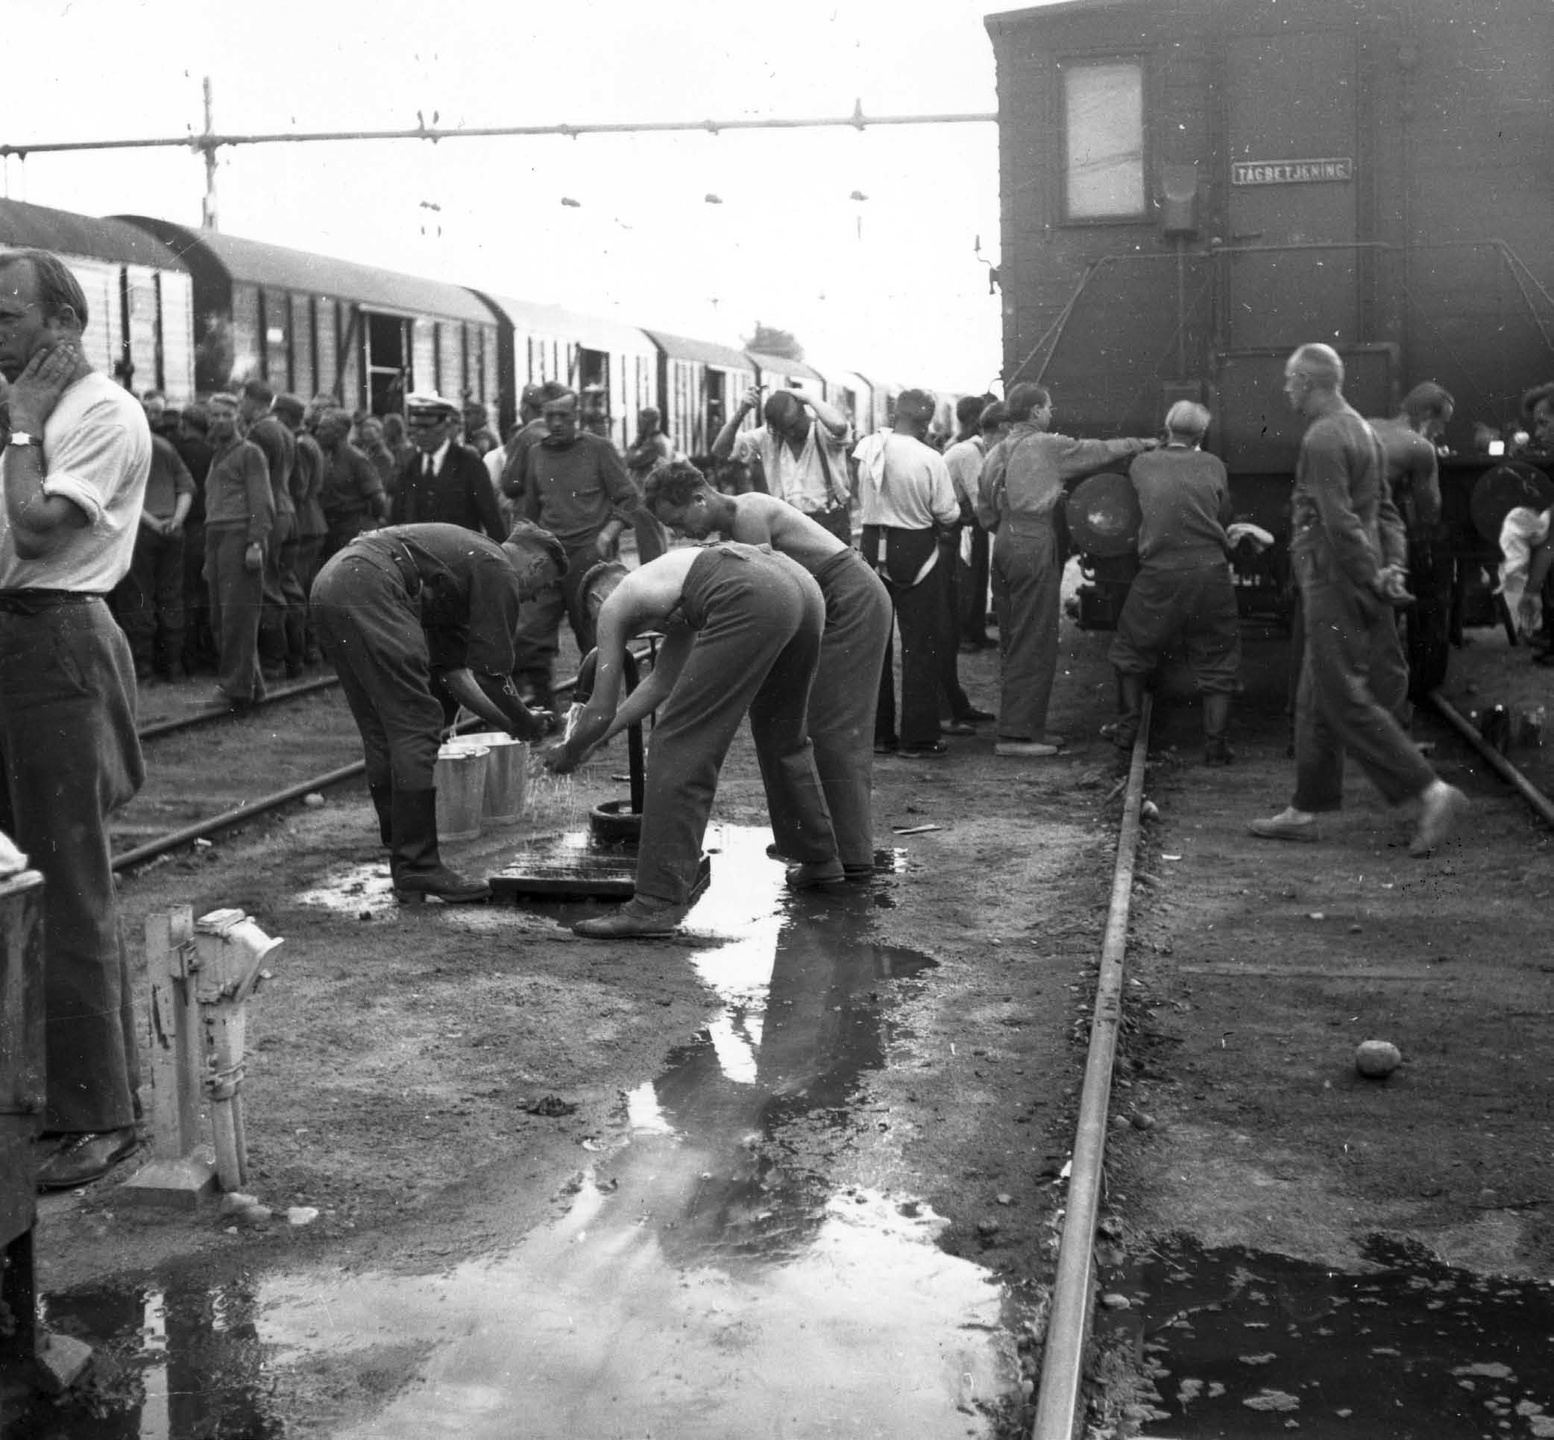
(1216,728)
(1130,702)
(417,867)
(383,803)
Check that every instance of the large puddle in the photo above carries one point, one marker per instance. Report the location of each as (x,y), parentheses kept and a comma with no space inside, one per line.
(708,1278)
(1249,1345)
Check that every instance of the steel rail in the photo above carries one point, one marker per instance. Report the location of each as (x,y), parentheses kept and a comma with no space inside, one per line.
(201,829)
(1068,1321)
(1497,762)
(157,728)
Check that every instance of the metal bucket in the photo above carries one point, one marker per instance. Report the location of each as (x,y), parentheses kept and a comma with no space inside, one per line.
(507,774)
(461,790)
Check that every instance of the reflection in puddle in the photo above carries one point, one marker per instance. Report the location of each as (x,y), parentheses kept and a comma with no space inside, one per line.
(708,1279)
(354,889)
(1242,1343)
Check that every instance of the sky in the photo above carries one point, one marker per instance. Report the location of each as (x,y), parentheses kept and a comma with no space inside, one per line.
(890,285)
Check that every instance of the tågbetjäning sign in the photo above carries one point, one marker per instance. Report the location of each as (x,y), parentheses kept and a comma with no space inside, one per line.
(1291,172)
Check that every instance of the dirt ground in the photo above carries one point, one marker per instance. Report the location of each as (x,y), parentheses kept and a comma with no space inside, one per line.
(403,1059)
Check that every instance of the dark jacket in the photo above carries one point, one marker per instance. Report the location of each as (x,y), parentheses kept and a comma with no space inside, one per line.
(459,493)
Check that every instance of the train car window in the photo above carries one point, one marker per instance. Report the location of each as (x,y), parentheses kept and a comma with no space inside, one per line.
(1103,133)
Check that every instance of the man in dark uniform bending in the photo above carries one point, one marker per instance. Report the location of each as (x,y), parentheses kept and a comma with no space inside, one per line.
(404,608)
(852,648)
(742,633)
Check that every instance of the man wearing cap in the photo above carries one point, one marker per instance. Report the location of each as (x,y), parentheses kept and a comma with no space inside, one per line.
(1023,483)
(444,481)
(307,480)
(530,430)
(906,500)
(803,453)
(239,519)
(351,495)
(407,613)
(575,486)
(283,592)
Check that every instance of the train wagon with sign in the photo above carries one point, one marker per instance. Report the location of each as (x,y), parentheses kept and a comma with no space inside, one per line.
(1192,188)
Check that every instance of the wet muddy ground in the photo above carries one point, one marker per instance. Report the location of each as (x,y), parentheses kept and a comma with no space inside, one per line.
(796,1171)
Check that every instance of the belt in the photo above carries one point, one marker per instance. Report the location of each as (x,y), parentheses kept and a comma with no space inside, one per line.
(30,602)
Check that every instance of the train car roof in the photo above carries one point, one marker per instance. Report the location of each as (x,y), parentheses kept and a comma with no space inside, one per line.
(783,366)
(679,347)
(592,332)
(37,227)
(1004,18)
(258,262)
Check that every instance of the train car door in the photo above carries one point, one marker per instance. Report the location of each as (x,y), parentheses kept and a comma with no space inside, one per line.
(388,362)
(1292,274)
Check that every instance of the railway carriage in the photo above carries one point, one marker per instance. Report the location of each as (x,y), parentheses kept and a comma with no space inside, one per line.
(1192,188)
(311,323)
(612,366)
(700,384)
(777,372)
(139,296)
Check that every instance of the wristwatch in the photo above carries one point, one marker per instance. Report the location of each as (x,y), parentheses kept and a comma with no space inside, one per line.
(21,437)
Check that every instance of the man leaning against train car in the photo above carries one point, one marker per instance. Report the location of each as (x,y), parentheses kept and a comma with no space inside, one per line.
(74,476)
(1021,488)
(1347,594)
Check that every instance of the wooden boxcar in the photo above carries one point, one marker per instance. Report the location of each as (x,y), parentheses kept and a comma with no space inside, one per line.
(1192,188)
(139,296)
(312,323)
(613,366)
(700,384)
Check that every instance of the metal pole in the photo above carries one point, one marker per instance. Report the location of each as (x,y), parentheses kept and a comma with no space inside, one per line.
(208,145)
(1062,1363)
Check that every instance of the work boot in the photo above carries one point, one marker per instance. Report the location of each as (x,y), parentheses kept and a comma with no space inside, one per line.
(1440,808)
(1130,707)
(1216,728)
(416,866)
(816,875)
(383,803)
(640,918)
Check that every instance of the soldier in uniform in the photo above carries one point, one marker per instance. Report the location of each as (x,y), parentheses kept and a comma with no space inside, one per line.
(409,607)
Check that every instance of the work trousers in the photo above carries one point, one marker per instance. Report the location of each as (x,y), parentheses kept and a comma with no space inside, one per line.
(370,628)
(918,614)
(1027,583)
(236,605)
(1196,605)
(952,698)
(199,645)
(285,601)
(69,757)
(756,652)
(1350,681)
(149,601)
(836,521)
(844,697)
(310,554)
(538,638)
(973,577)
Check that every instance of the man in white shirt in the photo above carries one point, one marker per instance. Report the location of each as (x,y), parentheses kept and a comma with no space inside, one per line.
(74,477)
(905,498)
(803,453)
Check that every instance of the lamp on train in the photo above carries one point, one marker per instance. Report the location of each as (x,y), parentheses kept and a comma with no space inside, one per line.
(1179,199)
